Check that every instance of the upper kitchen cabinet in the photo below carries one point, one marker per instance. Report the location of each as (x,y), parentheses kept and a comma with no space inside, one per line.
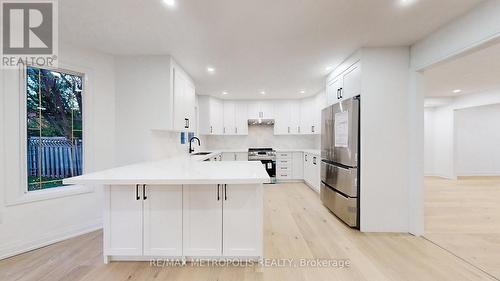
(235,118)
(287,117)
(344,82)
(211,116)
(260,110)
(310,116)
(158,88)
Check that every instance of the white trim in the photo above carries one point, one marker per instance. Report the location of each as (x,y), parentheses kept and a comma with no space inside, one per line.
(12,249)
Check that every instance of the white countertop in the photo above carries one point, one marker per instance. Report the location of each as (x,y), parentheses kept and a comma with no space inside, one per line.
(311,151)
(179,170)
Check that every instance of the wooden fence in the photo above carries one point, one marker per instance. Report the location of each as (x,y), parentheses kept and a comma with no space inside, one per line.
(54,157)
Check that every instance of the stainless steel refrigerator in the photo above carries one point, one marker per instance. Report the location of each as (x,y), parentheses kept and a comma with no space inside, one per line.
(340,158)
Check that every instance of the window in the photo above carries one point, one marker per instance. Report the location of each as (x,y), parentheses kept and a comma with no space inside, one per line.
(54,127)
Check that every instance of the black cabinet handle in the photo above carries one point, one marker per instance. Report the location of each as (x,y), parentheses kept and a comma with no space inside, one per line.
(225,192)
(338,96)
(312,129)
(218,194)
(341,91)
(236,130)
(211,129)
(137,192)
(314,160)
(144,197)
(189,125)
(186,121)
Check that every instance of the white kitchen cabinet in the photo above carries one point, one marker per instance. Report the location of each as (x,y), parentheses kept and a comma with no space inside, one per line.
(222,220)
(211,117)
(229,118)
(123,218)
(346,83)
(312,171)
(163,221)
(184,100)
(235,156)
(158,90)
(287,117)
(260,110)
(235,118)
(351,82)
(202,220)
(241,117)
(298,165)
(142,221)
(308,119)
(242,217)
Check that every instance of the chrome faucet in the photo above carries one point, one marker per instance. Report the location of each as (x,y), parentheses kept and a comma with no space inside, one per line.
(191,150)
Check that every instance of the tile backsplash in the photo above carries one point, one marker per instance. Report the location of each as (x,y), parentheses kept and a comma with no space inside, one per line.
(263,136)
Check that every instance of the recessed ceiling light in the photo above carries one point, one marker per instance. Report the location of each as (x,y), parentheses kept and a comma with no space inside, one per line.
(302,92)
(457,91)
(262,92)
(210,69)
(225,93)
(407,2)
(170,3)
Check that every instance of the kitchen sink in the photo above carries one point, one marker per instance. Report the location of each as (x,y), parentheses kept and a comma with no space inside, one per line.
(201,153)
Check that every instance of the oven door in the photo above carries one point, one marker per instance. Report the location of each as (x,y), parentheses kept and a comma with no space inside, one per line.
(270,166)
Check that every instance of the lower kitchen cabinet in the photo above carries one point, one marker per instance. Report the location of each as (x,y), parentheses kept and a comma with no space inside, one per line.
(162,221)
(242,221)
(202,220)
(235,156)
(312,171)
(143,220)
(223,220)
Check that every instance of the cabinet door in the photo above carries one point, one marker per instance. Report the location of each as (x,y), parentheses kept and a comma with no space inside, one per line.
(315,173)
(229,122)
(307,168)
(179,122)
(242,216)
(295,115)
(351,81)
(202,220)
(242,156)
(123,221)
(331,92)
(298,166)
(267,111)
(189,104)
(254,111)
(228,156)
(163,220)
(216,117)
(306,116)
(282,118)
(241,118)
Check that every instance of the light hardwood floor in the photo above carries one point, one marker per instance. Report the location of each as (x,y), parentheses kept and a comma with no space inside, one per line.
(463,216)
(296,226)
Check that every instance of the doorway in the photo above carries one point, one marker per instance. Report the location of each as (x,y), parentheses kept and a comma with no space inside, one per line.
(462,157)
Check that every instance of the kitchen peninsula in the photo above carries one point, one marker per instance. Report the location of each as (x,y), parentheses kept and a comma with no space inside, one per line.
(181,208)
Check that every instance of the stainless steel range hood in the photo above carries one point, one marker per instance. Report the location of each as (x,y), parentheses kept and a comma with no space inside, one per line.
(265,122)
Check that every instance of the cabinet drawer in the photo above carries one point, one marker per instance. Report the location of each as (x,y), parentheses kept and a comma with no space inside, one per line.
(284,162)
(283,169)
(283,155)
(284,175)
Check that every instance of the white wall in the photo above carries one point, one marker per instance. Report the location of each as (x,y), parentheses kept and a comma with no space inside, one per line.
(263,136)
(136,140)
(29,225)
(385,140)
(477,141)
(441,128)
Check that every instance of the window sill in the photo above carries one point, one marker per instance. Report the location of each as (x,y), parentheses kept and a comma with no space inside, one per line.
(48,194)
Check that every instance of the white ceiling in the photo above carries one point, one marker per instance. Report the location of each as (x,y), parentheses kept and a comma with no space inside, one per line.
(472,73)
(279,46)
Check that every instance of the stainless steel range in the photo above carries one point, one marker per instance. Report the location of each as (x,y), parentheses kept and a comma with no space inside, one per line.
(267,156)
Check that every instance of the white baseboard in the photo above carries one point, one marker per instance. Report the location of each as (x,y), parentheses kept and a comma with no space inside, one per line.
(480,174)
(19,247)
(441,176)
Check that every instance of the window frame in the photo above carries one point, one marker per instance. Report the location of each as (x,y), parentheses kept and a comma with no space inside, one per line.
(23,195)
